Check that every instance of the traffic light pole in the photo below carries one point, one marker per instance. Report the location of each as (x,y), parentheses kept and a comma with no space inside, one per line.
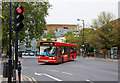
(15,74)
(16,51)
(18,18)
(18,25)
(10,47)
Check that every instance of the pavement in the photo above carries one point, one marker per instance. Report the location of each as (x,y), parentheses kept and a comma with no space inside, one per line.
(100,59)
(23,77)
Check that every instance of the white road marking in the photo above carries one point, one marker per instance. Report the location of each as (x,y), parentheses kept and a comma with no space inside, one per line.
(67,73)
(52,70)
(59,71)
(37,73)
(52,77)
(89,81)
(48,76)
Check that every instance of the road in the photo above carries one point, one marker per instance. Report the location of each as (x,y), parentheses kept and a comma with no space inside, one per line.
(77,70)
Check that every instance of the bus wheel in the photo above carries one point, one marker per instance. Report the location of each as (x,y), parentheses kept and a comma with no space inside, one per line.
(72,58)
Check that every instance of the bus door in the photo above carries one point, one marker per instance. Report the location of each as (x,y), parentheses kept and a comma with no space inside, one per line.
(68,51)
(58,53)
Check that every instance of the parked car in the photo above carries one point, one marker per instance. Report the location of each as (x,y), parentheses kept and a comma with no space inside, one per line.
(31,54)
(25,54)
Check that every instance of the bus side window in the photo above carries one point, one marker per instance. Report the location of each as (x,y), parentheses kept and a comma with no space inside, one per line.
(66,49)
(62,50)
(73,50)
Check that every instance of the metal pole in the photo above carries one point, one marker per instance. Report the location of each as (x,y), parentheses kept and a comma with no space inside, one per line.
(19,71)
(10,46)
(16,51)
(83,32)
(83,38)
(16,41)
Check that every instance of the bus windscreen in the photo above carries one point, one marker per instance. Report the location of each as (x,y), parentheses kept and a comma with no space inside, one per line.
(47,51)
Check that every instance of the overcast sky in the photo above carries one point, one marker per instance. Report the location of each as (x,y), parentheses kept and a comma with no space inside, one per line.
(68,11)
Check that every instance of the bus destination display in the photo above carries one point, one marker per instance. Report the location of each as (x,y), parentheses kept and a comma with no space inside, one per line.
(47,43)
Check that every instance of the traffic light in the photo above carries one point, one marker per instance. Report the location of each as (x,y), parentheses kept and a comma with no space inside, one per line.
(19,17)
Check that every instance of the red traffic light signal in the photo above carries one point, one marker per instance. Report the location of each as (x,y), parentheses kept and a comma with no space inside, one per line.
(20,10)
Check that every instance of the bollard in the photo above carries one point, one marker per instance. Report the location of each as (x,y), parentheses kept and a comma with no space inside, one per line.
(19,71)
(5,69)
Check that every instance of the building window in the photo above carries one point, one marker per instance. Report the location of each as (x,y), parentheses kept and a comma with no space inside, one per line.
(65,28)
(56,29)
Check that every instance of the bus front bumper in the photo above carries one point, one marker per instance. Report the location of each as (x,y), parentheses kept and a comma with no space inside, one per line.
(47,61)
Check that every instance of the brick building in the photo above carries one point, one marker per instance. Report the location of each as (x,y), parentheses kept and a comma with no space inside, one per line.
(54,27)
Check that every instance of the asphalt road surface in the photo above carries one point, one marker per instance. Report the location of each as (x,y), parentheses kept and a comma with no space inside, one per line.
(77,70)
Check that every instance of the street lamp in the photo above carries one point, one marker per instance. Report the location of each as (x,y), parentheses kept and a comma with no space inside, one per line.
(83,31)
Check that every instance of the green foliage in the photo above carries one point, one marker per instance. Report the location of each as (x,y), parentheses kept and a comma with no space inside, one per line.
(105,36)
(103,18)
(68,33)
(50,34)
(102,34)
(34,22)
(44,35)
(48,39)
(70,38)
(38,43)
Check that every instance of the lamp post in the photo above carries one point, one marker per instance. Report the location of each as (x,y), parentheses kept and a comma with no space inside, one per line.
(83,32)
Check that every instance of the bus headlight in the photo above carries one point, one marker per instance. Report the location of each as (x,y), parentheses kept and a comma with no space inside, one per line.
(50,57)
(39,57)
(53,57)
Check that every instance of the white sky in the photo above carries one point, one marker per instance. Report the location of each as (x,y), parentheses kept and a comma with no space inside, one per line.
(68,11)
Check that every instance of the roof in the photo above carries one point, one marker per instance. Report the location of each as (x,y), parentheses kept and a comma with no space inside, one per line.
(64,24)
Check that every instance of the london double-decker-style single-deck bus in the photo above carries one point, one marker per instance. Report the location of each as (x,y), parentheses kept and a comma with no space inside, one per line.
(56,52)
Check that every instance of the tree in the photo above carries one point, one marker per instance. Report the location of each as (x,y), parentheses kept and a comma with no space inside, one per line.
(44,35)
(50,34)
(70,38)
(103,27)
(115,33)
(68,33)
(34,22)
(103,18)
(38,43)
(48,39)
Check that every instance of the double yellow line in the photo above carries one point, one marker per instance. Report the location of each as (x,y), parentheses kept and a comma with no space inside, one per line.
(31,79)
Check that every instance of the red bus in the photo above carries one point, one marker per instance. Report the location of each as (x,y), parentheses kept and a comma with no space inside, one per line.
(56,52)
